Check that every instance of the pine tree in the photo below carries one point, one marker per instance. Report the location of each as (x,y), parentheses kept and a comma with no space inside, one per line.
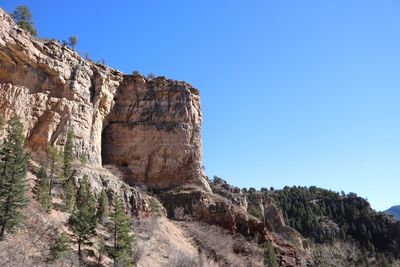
(23,17)
(68,154)
(42,190)
(70,196)
(2,123)
(270,256)
(102,250)
(72,41)
(60,246)
(121,251)
(54,157)
(103,206)
(385,262)
(13,169)
(83,220)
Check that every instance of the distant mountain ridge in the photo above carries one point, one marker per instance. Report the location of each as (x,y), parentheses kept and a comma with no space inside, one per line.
(395,211)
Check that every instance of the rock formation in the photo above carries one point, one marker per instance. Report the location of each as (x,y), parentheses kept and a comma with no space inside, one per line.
(149,128)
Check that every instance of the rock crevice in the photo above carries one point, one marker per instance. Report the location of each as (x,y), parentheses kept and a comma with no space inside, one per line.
(150,128)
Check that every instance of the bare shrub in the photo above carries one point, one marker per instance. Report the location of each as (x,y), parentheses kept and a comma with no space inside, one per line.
(137,252)
(336,254)
(179,213)
(180,259)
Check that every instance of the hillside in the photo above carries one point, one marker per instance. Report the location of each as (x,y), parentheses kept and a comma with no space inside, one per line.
(395,211)
(103,136)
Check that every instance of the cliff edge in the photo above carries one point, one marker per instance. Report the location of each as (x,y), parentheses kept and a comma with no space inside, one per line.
(149,128)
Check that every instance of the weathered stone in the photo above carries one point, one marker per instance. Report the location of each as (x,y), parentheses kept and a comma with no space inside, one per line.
(150,128)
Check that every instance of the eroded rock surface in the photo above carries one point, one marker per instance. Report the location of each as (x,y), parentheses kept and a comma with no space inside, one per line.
(151,128)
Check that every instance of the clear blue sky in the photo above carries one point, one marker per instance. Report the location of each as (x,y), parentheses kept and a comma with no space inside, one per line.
(293,92)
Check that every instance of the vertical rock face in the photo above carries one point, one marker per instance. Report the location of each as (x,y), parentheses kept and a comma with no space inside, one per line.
(149,128)
(153,132)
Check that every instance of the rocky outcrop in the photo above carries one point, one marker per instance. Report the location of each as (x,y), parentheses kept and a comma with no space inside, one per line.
(150,128)
(153,132)
(191,204)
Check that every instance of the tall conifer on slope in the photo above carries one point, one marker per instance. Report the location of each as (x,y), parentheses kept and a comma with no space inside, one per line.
(68,154)
(83,220)
(42,190)
(13,169)
(54,159)
(2,123)
(102,206)
(121,251)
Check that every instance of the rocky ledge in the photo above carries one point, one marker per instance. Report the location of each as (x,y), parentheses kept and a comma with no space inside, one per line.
(150,128)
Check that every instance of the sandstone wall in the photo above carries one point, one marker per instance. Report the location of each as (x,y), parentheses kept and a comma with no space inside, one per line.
(150,128)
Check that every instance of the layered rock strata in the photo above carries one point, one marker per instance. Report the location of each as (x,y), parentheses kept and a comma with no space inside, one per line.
(149,128)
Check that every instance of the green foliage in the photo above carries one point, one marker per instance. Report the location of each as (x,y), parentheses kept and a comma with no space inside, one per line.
(54,157)
(102,250)
(385,262)
(312,210)
(72,41)
(83,158)
(42,190)
(83,220)
(151,76)
(103,206)
(13,169)
(256,212)
(217,180)
(60,246)
(2,123)
(121,251)
(270,259)
(68,154)
(70,196)
(23,17)
(155,207)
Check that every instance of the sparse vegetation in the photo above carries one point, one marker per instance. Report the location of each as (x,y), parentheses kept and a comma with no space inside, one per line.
(2,123)
(55,158)
(70,196)
(73,41)
(151,76)
(42,192)
(102,206)
(23,17)
(270,256)
(68,154)
(60,246)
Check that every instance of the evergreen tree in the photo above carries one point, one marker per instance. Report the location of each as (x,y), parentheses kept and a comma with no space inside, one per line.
(68,154)
(103,206)
(385,262)
(2,123)
(42,190)
(83,219)
(121,250)
(270,256)
(54,156)
(73,40)
(13,169)
(102,250)
(60,246)
(23,17)
(70,196)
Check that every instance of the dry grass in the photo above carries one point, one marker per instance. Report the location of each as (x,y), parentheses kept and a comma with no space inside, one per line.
(220,246)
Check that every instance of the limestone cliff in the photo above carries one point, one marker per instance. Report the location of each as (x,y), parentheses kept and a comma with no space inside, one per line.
(149,128)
